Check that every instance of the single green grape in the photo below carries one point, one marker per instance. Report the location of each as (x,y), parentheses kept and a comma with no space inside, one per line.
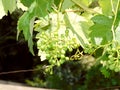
(70,49)
(62,56)
(67,58)
(63,51)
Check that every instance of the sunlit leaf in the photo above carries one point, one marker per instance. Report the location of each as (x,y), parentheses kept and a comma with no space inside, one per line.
(67,4)
(83,2)
(73,21)
(106,7)
(117,32)
(2,12)
(21,6)
(9,5)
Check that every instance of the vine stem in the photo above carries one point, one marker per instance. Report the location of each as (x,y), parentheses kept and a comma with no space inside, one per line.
(60,5)
(113,24)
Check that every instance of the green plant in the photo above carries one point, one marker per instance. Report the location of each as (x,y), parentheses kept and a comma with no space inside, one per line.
(64,25)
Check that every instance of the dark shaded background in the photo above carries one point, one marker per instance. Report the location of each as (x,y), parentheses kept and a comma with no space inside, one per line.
(14,55)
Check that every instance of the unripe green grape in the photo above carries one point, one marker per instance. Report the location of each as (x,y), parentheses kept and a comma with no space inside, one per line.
(63,51)
(66,58)
(71,42)
(58,63)
(110,56)
(48,56)
(62,61)
(58,46)
(62,56)
(108,49)
(50,47)
(52,61)
(42,47)
(66,32)
(113,49)
(111,66)
(70,49)
(76,45)
(116,69)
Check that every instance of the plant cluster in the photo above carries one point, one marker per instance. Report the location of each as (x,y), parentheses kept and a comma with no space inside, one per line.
(54,39)
(65,25)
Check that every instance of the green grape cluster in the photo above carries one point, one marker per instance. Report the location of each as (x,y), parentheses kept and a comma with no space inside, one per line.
(113,62)
(55,45)
(109,58)
(90,49)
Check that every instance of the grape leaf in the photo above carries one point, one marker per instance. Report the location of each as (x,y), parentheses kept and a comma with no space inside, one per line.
(117,34)
(74,22)
(9,5)
(84,5)
(83,2)
(27,3)
(37,9)
(105,72)
(103,20)
(106,7)
(21,6)
(100,34)
(2,12)
(57,2)
(66,4)
(117,19)
(101,30)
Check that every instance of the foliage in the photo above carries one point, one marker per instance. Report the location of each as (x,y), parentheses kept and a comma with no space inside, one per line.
(63,27)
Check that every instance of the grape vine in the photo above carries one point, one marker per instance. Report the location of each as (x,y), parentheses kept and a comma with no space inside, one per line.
(66,24)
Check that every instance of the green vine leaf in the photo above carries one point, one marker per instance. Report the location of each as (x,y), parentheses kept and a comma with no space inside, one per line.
(106,7)
(105,72)
(100,34)
(2,12)
(66,4)
(117,19)
(103,20)
(37,9)
(27,3)
(101,30)
(9,5)
(83,2)
(74,22)
(118,34)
